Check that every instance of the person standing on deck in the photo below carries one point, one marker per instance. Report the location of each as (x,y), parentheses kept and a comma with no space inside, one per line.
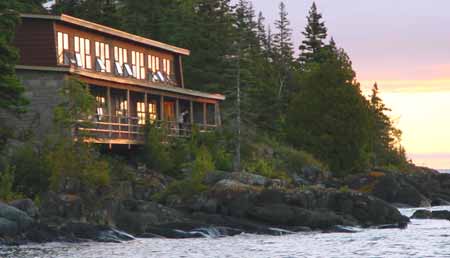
(182,121)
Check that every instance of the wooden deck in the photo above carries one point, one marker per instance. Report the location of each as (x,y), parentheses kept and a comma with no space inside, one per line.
(127,130)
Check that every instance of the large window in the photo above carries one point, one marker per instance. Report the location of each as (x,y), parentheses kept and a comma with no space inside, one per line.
(101,106)
(137,64)
(167,66)
(120,58)
(63,48)
(141,112)
(152,112)
(82,52)
(102,58)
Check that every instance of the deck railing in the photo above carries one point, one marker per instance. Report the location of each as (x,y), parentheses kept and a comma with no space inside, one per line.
(130,129)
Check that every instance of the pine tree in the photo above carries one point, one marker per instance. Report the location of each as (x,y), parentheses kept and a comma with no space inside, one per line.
(98,11)
(261,33)
(282,40)
(11,91)
(385,137)
(283,59)
(315,33)
(329,117)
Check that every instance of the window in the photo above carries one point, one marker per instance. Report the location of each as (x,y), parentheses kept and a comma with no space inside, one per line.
(140,113)
(128,71)
(63,48)
(118,69)
(82,50)
(121,106)
(101,106)
(78,60)
(152,110)
(137,64)
(161,77)
(103,62)
(167,69)
(121,58)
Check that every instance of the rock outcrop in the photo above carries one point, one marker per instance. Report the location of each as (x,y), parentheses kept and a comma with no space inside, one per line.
(13,221)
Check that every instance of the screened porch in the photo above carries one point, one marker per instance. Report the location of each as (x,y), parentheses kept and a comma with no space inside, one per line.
(122,114)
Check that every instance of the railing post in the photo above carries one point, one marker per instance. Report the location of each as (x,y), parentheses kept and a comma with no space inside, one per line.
(204,116)
(129,113)
(177,116)
(161,107)
(108,102)
(217,115)
(147,115)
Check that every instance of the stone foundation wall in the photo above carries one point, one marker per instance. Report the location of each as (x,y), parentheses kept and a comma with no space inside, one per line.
(42,88)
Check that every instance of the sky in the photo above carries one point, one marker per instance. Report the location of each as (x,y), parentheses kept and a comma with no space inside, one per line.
(404,45)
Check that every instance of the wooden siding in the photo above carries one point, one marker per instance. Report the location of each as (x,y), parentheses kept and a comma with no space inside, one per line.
(36,42)
(118,42)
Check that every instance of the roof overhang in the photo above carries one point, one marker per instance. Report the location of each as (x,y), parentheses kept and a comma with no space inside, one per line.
(128,81)
(108,30)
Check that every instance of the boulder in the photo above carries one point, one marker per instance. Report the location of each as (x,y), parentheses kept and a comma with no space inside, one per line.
(422,214)
(231,187)
(8,227)
(249,179)
(396,190)
(67,206)
(137,216)
(113,236)
(285,215)
(11,214)
(241,177)
(27,206)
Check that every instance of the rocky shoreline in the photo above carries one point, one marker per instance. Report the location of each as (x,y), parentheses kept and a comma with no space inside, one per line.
(234,203)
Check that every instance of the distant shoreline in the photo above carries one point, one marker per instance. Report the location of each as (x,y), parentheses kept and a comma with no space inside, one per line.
(444,170)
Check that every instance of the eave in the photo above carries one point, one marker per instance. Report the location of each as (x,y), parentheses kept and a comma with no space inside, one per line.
(127,81)
(108,30)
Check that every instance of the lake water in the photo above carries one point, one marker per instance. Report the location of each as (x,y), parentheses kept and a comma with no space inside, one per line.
(422,238)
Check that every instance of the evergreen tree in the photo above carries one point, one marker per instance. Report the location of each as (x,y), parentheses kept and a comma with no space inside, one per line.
(262,37)
(282,53)
(11,91)
(385,138)
(98,11)
(329,117)
(282,40)
(315,33)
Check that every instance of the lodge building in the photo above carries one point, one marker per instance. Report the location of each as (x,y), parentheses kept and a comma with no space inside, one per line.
(134,80)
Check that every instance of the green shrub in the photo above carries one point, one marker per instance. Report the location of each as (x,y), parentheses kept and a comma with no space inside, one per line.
(79,161)
(293,160)
(185,189)
(6,185)
(344,189)
(78,103)
(32,173)
(156,152)
(202,164)
(261,167)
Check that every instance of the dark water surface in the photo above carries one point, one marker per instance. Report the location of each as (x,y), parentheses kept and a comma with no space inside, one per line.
(422,238)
